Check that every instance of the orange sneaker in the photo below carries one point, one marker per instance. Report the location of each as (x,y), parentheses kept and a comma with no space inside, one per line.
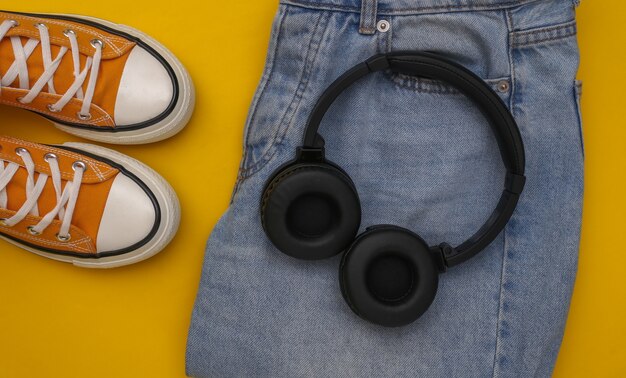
(93,78)
(83,204)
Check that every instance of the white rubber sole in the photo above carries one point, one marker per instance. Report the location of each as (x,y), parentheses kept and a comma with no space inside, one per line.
(166,128)
(165,195)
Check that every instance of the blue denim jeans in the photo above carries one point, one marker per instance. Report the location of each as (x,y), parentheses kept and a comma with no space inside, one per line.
(422,157)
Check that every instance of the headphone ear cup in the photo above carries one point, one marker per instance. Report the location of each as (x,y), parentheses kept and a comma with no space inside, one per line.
(311,211)
(388,276)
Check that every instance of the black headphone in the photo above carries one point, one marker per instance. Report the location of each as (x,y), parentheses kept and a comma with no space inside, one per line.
(310,208)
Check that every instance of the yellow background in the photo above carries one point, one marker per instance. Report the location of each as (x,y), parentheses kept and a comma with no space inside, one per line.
(60,321)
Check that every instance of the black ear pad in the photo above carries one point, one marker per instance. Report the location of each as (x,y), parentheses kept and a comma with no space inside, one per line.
(311,211)
(388,276)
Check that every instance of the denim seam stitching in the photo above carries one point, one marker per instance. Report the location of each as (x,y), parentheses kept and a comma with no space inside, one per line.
(543,29)
(501,299)
(578,98)
(532,37)
(539,41)
(499,319)
(406,11)
(421,85)
(508,19)
(509,27)
(385,40)
(389,39)
(310,59)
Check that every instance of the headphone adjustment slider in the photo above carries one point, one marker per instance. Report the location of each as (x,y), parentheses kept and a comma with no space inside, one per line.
(377,63)
(310,154)
(514,183)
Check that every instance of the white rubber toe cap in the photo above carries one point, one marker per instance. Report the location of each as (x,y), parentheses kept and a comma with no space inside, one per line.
(145,91)
(128,217)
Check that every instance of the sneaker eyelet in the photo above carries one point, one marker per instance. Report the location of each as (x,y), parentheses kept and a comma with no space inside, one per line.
(64,238)
(15,23)
(79,164)
(20,100)
(50,156)
(39,25)
(3,222)
(97,42)
(67,32)
(21,150)
(52,109)
(83,117)
(32,231)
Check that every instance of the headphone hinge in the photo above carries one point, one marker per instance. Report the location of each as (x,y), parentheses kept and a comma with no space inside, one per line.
(439,254)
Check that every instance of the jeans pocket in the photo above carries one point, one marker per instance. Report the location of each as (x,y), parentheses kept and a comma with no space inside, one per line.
(293,51)
(249,141)
(422,85)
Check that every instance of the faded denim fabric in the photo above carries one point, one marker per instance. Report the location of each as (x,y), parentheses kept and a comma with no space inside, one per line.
(422,157)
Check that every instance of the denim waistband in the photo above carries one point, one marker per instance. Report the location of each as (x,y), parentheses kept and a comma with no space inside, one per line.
(370,10)
(407,7)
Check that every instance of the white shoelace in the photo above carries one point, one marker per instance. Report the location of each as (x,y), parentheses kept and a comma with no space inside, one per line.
(66,198)
(19,68)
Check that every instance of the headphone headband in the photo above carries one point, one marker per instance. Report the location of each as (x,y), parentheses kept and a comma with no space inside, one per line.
(432,66)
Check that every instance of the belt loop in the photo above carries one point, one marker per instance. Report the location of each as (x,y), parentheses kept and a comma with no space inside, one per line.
(368,16)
